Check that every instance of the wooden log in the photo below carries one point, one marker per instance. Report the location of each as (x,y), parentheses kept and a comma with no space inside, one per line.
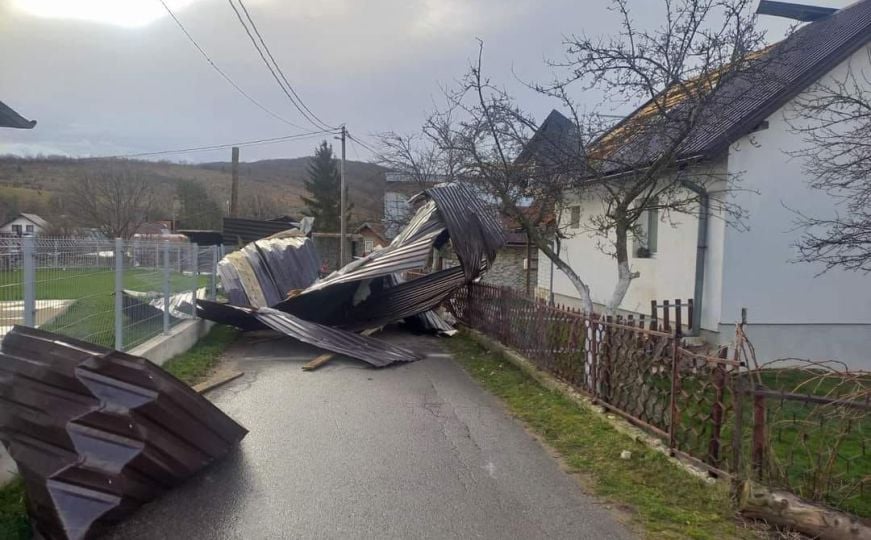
(787,510)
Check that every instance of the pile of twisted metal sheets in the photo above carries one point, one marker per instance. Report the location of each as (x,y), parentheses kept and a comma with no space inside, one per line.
(273,283)
(96,432)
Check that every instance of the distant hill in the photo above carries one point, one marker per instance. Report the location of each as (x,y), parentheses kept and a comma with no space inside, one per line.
(276,183)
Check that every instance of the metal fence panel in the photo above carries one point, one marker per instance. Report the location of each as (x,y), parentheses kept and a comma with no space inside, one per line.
(106,292)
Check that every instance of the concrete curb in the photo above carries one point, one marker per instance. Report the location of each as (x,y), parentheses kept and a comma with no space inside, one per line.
(181,337)
(552,383)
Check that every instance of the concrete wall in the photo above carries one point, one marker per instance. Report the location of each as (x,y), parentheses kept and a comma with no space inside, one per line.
(667,274)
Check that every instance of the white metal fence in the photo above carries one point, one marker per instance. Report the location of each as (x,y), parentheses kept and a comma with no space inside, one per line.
(116,293)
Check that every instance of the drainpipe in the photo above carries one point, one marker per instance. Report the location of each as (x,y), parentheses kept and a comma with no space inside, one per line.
(701,252)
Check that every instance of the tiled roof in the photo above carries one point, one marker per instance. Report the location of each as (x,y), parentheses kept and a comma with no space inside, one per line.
(743,101)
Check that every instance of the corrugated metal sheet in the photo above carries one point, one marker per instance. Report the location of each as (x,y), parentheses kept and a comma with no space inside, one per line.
(96,432)
(369,292)
(475,231)
(404,300)
(141,306)
(373,351)
(240,231)
(228,314)
(262,273)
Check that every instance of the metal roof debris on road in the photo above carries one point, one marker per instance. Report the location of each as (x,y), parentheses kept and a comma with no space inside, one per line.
(96,433)
(274,283)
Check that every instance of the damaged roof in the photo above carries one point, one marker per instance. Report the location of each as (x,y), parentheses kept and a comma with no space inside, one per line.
(774,76)
(367,293)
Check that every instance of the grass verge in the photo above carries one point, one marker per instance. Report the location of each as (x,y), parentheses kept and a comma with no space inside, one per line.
(194,366)
(191,367)
(665,501)
(13,517)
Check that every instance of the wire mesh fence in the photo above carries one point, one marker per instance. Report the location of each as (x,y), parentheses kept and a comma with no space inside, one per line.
(802,426)
(116,293)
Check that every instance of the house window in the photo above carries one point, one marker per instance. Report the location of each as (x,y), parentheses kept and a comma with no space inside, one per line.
(368,246)
(648,233)
(28,228)
(16,229)
(575,217)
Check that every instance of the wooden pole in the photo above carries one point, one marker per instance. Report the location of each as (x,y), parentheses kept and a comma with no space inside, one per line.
(234,186)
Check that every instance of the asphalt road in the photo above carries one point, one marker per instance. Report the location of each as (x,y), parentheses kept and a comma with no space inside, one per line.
(410,451)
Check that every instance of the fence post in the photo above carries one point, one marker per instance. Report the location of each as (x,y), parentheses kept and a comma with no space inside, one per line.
(213,281)
(758,431)
(29,281)
(166,288)
(119,302)
(675,385)
(195,267)
(719,375)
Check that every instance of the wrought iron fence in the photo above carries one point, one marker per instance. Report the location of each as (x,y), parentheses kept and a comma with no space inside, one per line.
(108,292)
(809,433)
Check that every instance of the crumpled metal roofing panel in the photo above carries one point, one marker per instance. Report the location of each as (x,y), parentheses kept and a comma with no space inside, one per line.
(373,351)
(141,306)
(476,233)
(405,299)
(96,432)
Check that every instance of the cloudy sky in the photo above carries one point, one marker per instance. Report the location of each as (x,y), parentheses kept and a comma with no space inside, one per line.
(109,77)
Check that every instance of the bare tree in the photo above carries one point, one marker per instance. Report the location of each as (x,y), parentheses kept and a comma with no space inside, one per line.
(112,198)
(414,164)
(679,72)
(834,119)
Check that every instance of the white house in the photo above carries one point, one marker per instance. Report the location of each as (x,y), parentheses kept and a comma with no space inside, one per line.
(793,310)
(24,225)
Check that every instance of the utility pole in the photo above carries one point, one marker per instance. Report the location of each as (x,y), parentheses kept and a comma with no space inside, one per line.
(342,202)
(234,186)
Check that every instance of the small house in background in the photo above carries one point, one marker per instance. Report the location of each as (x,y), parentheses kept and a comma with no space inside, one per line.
(372,236)
(24,225)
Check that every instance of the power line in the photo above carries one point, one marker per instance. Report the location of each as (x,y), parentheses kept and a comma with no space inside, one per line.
(364,145)
(278,67)
(270,140)
(288,91)
(223,74)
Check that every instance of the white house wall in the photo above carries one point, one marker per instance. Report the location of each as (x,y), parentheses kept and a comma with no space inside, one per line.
(667,274)
(804,314)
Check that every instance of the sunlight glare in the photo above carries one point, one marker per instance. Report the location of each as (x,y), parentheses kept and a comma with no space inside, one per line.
(127,13)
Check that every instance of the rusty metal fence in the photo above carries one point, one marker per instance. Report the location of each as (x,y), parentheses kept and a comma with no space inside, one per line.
(711,410)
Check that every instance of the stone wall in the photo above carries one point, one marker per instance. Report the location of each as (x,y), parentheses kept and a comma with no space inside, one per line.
(507,269)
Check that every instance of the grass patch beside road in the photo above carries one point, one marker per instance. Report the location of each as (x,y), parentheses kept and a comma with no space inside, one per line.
(195,365)
(13,517)
(666,502)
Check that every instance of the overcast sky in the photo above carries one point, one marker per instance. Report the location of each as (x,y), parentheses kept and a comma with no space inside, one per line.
(106,77)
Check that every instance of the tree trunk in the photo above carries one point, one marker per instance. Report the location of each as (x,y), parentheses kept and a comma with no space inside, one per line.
(786,510)
(624,275)
(582,288)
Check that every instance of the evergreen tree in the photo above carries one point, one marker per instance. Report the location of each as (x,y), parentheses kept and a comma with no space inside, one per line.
(323,185)
(197,210)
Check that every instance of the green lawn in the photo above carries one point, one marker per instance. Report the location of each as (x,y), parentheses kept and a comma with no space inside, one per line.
(191,367)
(91,317)
(666,501)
